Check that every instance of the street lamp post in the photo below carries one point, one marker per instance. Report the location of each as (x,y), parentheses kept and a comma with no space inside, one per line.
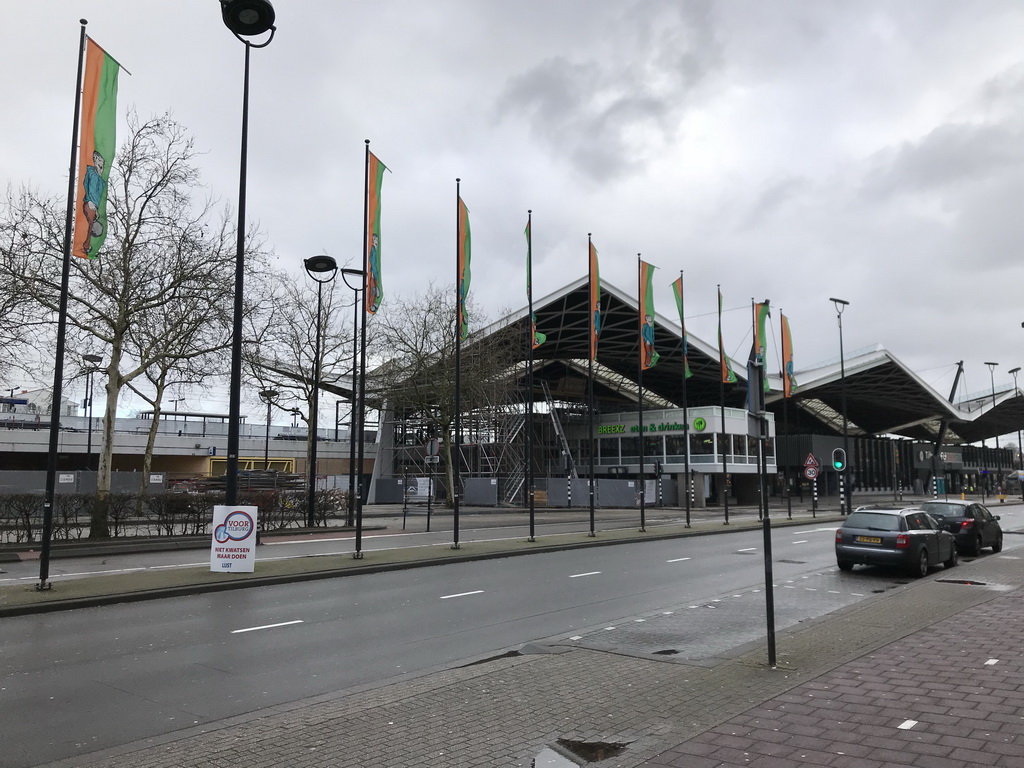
(999,460)
(268,396)
(245,18)
(844,492)
(1020,450)
(323,269)
(356,290)
(94,361)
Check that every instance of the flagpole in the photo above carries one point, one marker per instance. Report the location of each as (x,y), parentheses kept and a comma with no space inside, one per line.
(62,324)
(751,400)
(640,389)
(360,405)
(457,469)
(721,389)
(590,374)
(687,484)
(531,334)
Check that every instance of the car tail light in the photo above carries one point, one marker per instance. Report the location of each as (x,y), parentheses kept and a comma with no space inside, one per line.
(902,541)
(839,535)
(966,524)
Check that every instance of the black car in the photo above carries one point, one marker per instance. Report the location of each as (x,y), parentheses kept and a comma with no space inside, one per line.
(971,523)
(906,538)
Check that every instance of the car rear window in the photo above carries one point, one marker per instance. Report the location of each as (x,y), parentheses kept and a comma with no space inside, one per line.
(876,520)
(943,510)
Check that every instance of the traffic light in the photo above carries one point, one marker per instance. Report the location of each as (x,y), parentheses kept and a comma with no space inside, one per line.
(839,460)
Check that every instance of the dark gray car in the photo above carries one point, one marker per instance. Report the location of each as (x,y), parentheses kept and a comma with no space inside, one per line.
(907,538)
(970,522)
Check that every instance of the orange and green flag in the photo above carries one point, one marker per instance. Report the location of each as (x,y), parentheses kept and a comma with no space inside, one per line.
(537,337)
(595,301)
(464,249)
(758,352)
(374,178)
(788,377)
(728,376)
(96,150)
(648,355)
(677,291)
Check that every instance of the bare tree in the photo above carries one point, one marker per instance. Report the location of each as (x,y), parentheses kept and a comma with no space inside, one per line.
(415,339)
(279,352)
(162,260)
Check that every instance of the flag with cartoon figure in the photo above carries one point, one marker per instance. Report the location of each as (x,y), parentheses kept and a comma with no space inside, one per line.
(96,150)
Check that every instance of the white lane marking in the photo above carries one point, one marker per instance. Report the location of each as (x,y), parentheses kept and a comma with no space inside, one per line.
(906,725)
(677,560)
(608,629)
(991,662)
(588,573)
(576,637)
(265,626)
(639,620)
(1009,557)
(802,541)
(811,589)
(463,594)
(857,594)
(748,549)
(813,530)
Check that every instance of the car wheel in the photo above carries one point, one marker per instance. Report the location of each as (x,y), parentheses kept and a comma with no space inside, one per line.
(845,565)
(997,545)
(954,558)
(976,546)
(920,568)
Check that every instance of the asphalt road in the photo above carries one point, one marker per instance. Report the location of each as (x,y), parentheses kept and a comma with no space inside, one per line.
(87,679)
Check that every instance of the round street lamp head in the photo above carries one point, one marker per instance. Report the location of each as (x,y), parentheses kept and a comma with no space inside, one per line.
(268,395)
(94,359)
(247,17)
(321,265)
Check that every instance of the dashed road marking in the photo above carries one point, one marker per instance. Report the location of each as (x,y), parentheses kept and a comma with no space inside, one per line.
(588,573)
(265,626)
(463,594)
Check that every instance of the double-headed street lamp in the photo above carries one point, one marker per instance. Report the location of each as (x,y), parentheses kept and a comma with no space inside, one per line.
(356,290)
(245,18)
(323,269)
(844,493)
(94,361)
(268,396)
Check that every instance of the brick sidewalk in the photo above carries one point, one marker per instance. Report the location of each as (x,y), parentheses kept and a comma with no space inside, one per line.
(843,686)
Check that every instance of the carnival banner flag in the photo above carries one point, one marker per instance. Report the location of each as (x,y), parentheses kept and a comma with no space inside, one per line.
(759,348)
(464,271)
(648,355)
(536,337)
(374,178)
(677,291)
(728,376)
(595,302)
(96,150)
(788,377)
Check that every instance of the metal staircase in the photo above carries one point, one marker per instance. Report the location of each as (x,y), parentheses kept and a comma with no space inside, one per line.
(570,462)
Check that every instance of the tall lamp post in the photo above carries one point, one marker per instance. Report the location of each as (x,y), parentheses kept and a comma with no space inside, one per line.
(268,396)
(94,361)
(356,290)
(323,269)
(1020,449)
(245,18)
(844,493)
(999,460)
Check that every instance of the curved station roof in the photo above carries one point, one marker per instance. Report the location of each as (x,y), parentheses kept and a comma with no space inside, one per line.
(883,396)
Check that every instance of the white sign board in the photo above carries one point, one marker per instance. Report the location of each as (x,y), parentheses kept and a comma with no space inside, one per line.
(234,539)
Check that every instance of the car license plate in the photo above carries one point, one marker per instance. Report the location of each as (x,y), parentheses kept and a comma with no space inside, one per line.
(868,540)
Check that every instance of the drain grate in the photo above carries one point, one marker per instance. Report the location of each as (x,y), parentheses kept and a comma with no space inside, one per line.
(666,652)
(793,562)
(968,582)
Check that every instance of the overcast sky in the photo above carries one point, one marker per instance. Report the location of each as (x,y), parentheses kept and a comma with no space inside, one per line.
(784,149)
